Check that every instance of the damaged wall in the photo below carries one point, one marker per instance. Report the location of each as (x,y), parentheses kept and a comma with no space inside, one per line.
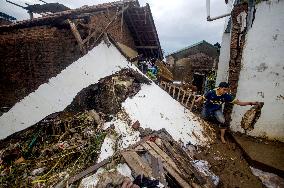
(262,73)
(201,57)
(59,92)
(223,65)
(32,55)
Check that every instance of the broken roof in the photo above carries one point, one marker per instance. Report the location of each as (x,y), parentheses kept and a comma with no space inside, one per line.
(47,7)
(138,19)
(191,46)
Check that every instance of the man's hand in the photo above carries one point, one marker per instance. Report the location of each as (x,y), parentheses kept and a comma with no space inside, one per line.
(199,99)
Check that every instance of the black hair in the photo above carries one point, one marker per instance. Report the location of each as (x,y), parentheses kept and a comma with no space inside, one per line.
(224,85)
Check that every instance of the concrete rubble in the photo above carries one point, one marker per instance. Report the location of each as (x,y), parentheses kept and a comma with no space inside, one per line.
(96,143)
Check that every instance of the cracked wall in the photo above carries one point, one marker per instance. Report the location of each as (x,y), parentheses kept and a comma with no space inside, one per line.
(238,33)
(259,71)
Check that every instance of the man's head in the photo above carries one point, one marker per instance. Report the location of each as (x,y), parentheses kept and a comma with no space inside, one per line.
(223,88)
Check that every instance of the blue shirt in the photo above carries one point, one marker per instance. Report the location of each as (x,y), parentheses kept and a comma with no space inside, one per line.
(214,102)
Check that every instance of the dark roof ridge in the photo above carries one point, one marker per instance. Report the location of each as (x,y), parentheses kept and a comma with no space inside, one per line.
(191,46)
(67,13)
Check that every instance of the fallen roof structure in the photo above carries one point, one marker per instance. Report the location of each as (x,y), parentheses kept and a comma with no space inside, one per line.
(47,45)
(84,105)
(139,20)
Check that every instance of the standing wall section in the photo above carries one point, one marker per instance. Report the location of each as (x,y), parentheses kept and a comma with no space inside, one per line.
(262,72)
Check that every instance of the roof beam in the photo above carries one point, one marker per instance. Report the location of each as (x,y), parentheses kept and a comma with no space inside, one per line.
(134,29)
(147,47)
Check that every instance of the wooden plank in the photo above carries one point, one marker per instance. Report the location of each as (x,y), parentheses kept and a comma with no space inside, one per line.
(155,167)
(167,166)
(170,87)
(77,35)
(189,95)
(136,163)
(181,159)
(162,173)
(192,103)
(158,170)
(174,91)
(182,97)
(88,171)
(178,93)
(106,28)
(163,155)
(147,47)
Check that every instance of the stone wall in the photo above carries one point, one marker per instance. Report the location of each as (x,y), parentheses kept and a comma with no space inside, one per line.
(31,56)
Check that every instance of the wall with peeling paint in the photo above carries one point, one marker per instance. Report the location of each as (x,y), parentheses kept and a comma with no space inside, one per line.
(223,65)
(224,58)
(262,73)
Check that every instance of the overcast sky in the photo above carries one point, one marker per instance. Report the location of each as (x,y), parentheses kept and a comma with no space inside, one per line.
(179,23)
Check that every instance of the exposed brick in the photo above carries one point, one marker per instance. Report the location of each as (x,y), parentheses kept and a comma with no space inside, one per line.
(237,44)
(30,56)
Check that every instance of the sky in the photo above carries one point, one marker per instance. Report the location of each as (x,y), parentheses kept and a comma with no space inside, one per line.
(179,23)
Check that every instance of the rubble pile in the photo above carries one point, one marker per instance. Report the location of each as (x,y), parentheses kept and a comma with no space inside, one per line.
(107,95)
(65,143)
(51,150)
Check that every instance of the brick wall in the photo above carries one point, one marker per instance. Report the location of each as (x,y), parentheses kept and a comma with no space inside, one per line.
(30,56)
(236,50)
(199,62)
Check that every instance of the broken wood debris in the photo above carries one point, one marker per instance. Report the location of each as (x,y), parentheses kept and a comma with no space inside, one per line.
(148,158)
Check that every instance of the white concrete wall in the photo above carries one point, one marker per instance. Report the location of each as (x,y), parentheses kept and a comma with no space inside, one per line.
(60,91)
(224,58)
(262,74)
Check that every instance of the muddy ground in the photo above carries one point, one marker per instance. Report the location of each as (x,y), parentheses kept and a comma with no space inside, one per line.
(228,163)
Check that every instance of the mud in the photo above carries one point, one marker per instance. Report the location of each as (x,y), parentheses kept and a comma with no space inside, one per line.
(270,159)
(228,163)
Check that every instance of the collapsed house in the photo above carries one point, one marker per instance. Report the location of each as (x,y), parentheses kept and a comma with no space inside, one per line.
(87,117)
(80,106)
(194,64)
(58,78)
(35,50)
(251,61)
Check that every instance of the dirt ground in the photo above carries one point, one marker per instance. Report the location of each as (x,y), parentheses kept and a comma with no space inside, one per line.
(228,163)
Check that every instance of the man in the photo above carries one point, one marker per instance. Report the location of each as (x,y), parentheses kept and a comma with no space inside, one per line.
(213,105)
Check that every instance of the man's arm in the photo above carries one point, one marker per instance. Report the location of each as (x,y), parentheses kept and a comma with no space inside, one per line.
(244,103)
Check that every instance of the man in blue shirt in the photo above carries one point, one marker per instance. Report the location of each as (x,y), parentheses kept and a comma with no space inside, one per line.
(213,105)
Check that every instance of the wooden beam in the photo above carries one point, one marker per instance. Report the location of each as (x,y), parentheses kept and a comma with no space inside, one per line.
(106,28)
(162,154)
(168,167)
(135,31)
(77,35)
(147,47)
(88,171)
(136,163)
